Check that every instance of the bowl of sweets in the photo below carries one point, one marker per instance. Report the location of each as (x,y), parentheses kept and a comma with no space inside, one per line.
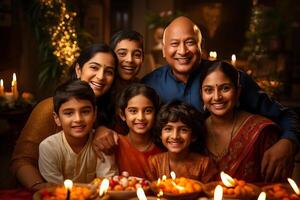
(280,191)
(123,186)
(238,190)
(59,192)
(177,188)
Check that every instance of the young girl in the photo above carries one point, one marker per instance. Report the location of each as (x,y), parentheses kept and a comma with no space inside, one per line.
(137,108)
(180,126)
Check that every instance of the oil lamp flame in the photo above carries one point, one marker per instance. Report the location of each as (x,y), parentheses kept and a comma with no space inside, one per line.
(262,196)
(103,187)
(141,194)
(158,181)
(68,184)
(227,180)
(178,187)
(173,175)
(218,193)
(164,177)
(294,186)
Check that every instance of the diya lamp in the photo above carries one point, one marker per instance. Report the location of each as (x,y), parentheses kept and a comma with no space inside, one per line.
(68,185)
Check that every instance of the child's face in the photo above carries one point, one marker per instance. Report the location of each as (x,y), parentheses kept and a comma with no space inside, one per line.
(76,117)
(139,115)
(99,72)
(176,136)
(130,56)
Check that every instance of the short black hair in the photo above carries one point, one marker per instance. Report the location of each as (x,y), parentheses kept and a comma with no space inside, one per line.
(73,88)
(126,34)
(180,111)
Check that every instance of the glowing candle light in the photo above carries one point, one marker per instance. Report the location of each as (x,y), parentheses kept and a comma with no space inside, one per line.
(103,187)
(141,194)
(218,193)
(173,175)
(227,180)
(1,87)
(14,87)
(212,55)
(233,59)
(294,186)
(68,185)
(262,196)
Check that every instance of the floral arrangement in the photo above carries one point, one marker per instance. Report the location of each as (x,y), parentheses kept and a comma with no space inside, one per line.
(161,19)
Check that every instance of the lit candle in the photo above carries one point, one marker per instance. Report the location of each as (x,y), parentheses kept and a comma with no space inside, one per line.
(212,55)
(294,186)
(141,194)
(227,180)
(103,187)
(173,175)
(14,87)
(262,196)
(218,193)
(1,87)
(68,185)
(233,59)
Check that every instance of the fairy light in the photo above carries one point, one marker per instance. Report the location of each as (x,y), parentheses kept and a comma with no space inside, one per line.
(62,32)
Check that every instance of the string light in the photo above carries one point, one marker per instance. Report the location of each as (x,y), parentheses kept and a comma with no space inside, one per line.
(62,32)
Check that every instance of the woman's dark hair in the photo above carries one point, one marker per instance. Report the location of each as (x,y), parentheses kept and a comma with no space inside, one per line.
(132,90)
(229,70)
(180,111)
(88,53)
(73,89)
(129,35)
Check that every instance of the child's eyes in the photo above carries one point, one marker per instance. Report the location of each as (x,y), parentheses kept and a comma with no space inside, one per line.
(167,129)
(69,113)
(149,111)
(132,111)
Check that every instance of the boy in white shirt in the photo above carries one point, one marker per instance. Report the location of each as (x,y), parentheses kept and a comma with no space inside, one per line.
(68,154)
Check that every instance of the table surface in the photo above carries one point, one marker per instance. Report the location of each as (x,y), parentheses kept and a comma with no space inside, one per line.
(16,194)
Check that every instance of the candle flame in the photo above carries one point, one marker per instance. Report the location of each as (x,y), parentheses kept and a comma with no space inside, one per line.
(68,184)
(262,196)
(14,77)
(158,181)
(233,58)
(227,180)
(1,83)
(213,55)
(141,194)
(164,177)
(218,193)
(103,187)
(294,186)
(173,175)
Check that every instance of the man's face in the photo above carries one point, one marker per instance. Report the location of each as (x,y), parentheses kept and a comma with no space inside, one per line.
(181,47)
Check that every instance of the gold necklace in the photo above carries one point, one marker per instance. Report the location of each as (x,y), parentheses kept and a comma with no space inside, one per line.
(217,156)
(146,148)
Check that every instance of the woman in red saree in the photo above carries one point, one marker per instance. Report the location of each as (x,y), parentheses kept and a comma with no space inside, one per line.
(236,139)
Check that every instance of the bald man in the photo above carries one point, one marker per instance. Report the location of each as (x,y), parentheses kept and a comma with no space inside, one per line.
(179,80)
